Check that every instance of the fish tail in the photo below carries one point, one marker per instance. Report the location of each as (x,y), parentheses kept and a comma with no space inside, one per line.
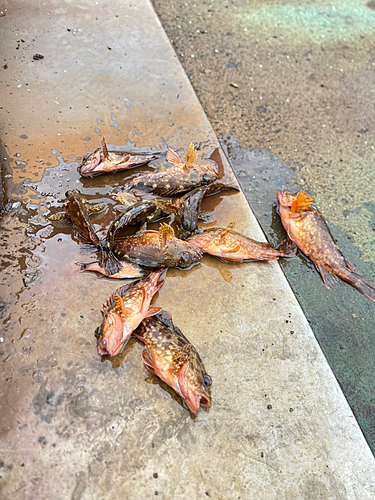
(363,285)
(108,260)
(288,248)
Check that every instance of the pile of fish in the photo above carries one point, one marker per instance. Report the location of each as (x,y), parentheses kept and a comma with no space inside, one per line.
(145,255)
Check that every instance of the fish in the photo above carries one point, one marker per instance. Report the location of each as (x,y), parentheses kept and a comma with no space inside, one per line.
(170,356)
(77,209)
(142,211)
(230,246)
(177,179)
(124,310)
(308,230)
(188,211)
(103,161)
(156,249)
(127,270)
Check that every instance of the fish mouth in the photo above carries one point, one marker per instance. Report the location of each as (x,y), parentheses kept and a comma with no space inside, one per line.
(205,401)
(285,198)
(91,163)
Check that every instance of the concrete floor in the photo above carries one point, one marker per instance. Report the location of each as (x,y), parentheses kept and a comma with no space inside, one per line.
(288,89)
(75,426)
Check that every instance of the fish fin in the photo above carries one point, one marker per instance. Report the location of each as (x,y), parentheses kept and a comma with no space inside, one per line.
(95,208)
(173,157)
(167,206)
(119,303)
(104,146)
(349,265)
(288,248)
(108,260)
(363,285)
(302,202)
(165,233)
(222,234)
(58,216)
(191,155)
(153,311)
(166,318)
(126,199)
(205,216)
(330,280)
(149,360)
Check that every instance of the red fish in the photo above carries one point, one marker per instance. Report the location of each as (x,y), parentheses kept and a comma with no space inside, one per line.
(170,356)
(103,161)
(127,270)
(234,247)
(124,311)
(308,230)
(177,179)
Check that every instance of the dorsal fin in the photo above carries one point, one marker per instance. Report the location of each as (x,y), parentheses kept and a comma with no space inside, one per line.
(302,202)
(119,303)
(165,232)
(173,157)
(222,234)
(104,146)
(191,154)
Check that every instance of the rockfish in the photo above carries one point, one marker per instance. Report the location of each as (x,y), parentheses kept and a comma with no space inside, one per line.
(103,161)
(308,230)
(177,179)
(170,356)
(124,311)
(234,247)
(156,249)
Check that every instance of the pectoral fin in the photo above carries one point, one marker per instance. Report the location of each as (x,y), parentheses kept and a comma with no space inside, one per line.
(330,280)
(149,361)
(173,157)
(222,234)
(165,233)
(95,208)
(58,216)
(153,311)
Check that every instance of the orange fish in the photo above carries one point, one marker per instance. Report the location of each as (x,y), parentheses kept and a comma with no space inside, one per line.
(170,356)
(308,230)
(181,177)
(124,311)
(103,161)
(127,270)
(234,247)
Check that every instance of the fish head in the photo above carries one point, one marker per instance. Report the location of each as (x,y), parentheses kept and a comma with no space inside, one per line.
(195,383)
(110,334)
(210,174)
(91,162)
(202,239)
(285,199)
(188,255)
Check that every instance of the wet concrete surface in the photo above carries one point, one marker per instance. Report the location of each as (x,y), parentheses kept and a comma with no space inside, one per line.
(73,425)
(288,90)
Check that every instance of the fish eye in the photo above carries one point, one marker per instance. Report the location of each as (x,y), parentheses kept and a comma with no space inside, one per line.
(207,380)
(184,224)
(191,366)
(98,332)
(199,231)
(206,178)
(185,257)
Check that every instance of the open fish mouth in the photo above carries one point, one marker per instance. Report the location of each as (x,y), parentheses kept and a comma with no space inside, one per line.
(91,163)
(205,401)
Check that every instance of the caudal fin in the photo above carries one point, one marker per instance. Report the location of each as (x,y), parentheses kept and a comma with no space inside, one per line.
(364,286)
(288,248)
(108,260)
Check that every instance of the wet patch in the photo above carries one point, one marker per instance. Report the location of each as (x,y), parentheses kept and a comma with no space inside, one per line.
(342,319)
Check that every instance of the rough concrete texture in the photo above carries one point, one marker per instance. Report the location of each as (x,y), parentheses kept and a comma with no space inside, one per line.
(288,89)
(75,426)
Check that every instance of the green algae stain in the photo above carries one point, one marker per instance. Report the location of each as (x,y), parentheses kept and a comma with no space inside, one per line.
(310,22)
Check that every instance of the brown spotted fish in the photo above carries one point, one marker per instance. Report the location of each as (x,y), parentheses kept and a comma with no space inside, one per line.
(308,230)
(77,209)
(170,356)
(156,249)
(234,247)
(177,179)
(103,161)
(124,311)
